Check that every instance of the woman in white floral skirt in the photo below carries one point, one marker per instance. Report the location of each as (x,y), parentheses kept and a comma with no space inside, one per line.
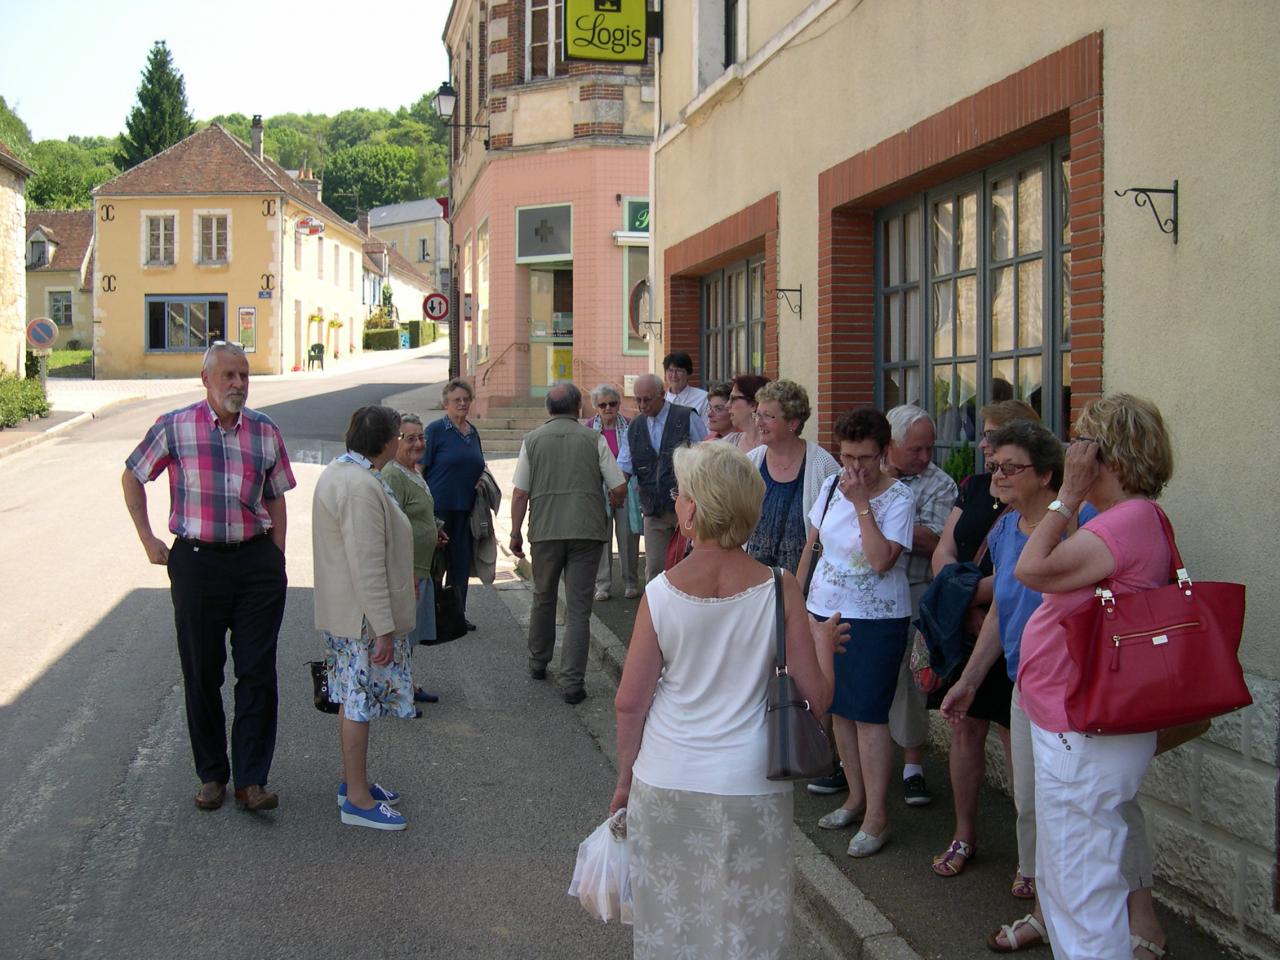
(711,857)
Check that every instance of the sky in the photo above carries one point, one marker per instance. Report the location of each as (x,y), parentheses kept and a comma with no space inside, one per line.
(73,66)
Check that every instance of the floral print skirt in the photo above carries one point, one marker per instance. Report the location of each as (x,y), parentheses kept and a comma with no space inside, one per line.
(364,690)
(711,875)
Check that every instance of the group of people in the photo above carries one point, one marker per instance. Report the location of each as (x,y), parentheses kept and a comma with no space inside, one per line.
(857,542)
(380,511)
(860,540)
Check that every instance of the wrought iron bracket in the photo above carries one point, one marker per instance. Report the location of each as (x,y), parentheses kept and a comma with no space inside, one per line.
(1142,198)
(784,293)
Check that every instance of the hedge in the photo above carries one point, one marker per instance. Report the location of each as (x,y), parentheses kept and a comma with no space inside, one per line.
(20,399)
(382,339)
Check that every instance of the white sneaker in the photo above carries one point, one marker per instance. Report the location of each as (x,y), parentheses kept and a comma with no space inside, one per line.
(602,594)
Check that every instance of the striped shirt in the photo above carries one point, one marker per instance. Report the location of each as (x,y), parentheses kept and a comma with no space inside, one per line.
(218,478)
(935,494)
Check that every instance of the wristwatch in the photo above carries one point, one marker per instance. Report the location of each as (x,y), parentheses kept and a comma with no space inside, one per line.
(1059,507)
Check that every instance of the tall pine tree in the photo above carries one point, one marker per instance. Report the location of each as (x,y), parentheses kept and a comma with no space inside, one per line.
(160,119)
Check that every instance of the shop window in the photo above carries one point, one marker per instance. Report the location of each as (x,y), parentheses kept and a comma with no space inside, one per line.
(732,321)
(544,233)
(60,307)
(185,323)
(971,296)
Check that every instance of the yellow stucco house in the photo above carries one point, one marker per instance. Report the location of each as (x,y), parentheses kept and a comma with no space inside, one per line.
(60,272)
(211,240)
(13,285)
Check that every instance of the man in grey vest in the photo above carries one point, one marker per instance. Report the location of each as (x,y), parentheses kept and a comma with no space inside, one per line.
(558,478)
(651,439)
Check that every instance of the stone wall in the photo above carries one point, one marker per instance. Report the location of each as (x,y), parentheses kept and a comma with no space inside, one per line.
(13,272)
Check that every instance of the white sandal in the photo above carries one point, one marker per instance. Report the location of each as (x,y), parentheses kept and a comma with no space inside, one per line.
(1011,935)
(1137,943)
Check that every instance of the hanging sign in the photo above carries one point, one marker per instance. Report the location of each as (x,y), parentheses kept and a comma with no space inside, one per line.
(309,226)
(612,31)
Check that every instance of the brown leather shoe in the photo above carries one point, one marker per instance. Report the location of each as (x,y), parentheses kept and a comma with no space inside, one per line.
(253,797)
(211,795)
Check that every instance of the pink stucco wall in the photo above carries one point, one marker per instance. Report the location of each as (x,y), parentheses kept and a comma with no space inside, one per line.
(590,179)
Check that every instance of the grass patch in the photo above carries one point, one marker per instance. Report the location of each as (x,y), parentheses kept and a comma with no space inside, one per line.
(68,358)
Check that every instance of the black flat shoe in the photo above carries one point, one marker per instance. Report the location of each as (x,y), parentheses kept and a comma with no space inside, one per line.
(470,625)
(423,696)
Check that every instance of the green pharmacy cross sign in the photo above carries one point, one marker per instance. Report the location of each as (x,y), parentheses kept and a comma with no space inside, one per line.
(609,31)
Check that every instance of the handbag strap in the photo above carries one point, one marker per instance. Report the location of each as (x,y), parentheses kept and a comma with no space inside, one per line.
(779,624)
(1177,572)
(982,547)
(816,550)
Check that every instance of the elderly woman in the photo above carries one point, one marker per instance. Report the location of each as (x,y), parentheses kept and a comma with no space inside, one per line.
(864,518)
(719,423)
(363,553)
(414,497)
(742,409)
(793,469)
(452,462)
(965,540)
(1085,786)
(612,425)
(702,819)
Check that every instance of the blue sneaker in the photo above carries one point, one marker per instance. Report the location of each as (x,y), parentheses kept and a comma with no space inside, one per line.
(379,793)
(381,817)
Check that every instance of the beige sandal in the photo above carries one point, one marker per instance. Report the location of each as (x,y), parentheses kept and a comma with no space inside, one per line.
(1137,943)
(1039,937)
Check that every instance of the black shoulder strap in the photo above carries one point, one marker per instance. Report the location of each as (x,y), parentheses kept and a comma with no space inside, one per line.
(779,623)
(831,495)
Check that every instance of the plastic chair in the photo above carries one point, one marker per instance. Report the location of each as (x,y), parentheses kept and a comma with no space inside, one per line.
(315,355)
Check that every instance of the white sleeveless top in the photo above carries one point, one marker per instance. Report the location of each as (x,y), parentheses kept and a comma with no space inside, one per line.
(706,726)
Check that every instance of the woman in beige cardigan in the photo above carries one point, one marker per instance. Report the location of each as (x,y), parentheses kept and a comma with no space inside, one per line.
(364,604)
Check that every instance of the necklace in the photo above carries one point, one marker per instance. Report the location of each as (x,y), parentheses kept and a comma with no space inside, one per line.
(790,465)
(1030,526)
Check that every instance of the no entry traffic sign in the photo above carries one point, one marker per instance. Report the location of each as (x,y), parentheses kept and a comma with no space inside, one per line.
(42,334)
(435,306)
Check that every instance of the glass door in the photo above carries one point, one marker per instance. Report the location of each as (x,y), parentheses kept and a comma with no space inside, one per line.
(550,326)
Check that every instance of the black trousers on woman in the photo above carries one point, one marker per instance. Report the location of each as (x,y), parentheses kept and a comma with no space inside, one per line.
(457,526)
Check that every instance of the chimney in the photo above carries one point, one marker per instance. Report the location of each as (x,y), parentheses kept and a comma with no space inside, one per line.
(310,182)
(255,134)
(362,222)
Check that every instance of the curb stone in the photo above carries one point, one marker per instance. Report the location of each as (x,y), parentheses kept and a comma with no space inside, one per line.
(852,922)
(75,421)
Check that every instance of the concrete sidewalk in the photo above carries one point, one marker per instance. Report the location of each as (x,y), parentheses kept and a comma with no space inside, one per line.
(891,906)
(78,400)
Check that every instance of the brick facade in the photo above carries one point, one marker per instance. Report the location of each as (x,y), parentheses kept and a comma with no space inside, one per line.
(1059,95)
(751,231)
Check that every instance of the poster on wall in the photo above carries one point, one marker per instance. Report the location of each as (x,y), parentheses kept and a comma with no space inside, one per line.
(248,328)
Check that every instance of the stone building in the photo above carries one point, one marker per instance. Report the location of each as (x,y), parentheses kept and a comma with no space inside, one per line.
(59,255)
(13,272)
(919,201)
(550,190)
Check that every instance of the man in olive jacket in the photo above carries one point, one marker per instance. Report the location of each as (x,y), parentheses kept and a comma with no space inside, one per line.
(559,475)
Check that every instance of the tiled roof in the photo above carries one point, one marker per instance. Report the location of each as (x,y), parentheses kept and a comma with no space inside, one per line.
(407,212)
(8,159)
(372,265)
(71,230)
(209,162)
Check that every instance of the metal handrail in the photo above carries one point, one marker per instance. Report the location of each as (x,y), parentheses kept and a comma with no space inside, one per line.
(493,364)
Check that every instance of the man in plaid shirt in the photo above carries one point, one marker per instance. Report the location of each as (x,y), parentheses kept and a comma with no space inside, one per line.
(228,473)
(909,458)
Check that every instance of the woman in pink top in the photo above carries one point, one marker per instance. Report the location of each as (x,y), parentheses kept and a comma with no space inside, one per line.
(1120,461)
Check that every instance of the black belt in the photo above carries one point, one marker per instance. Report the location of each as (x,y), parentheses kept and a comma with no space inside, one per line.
(222,547)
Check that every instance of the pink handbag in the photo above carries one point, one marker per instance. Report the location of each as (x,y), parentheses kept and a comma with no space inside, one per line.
(1158,658)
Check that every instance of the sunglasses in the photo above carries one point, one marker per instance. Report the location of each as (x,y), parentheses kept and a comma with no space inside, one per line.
(1008,469)
(607,405)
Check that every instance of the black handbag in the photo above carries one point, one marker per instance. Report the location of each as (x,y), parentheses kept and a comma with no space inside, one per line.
(451,623)
(798,747)
(320,687)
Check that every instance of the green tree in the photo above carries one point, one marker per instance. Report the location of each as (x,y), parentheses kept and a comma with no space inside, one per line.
(160,118)
(236,124)
(66,173)
(350,128)
(14,133)
(369,175)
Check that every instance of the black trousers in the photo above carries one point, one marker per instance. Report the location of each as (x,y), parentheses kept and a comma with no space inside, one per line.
(457,525)
(241,591)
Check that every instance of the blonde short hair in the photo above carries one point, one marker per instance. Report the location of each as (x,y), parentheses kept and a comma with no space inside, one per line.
(726,488)
(791,399)
(1132,441)
(1004,412)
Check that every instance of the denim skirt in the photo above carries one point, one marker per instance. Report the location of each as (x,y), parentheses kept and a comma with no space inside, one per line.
(867,671)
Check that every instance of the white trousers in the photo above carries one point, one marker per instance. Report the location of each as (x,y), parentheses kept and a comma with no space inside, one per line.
(1082,784)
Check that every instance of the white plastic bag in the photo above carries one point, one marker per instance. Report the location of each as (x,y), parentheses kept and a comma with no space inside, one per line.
(602,874)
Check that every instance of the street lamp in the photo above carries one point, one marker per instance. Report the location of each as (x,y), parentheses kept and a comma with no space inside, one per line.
(445,101)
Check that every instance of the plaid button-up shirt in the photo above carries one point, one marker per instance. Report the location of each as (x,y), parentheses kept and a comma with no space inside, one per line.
(935,494)
(218,479)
